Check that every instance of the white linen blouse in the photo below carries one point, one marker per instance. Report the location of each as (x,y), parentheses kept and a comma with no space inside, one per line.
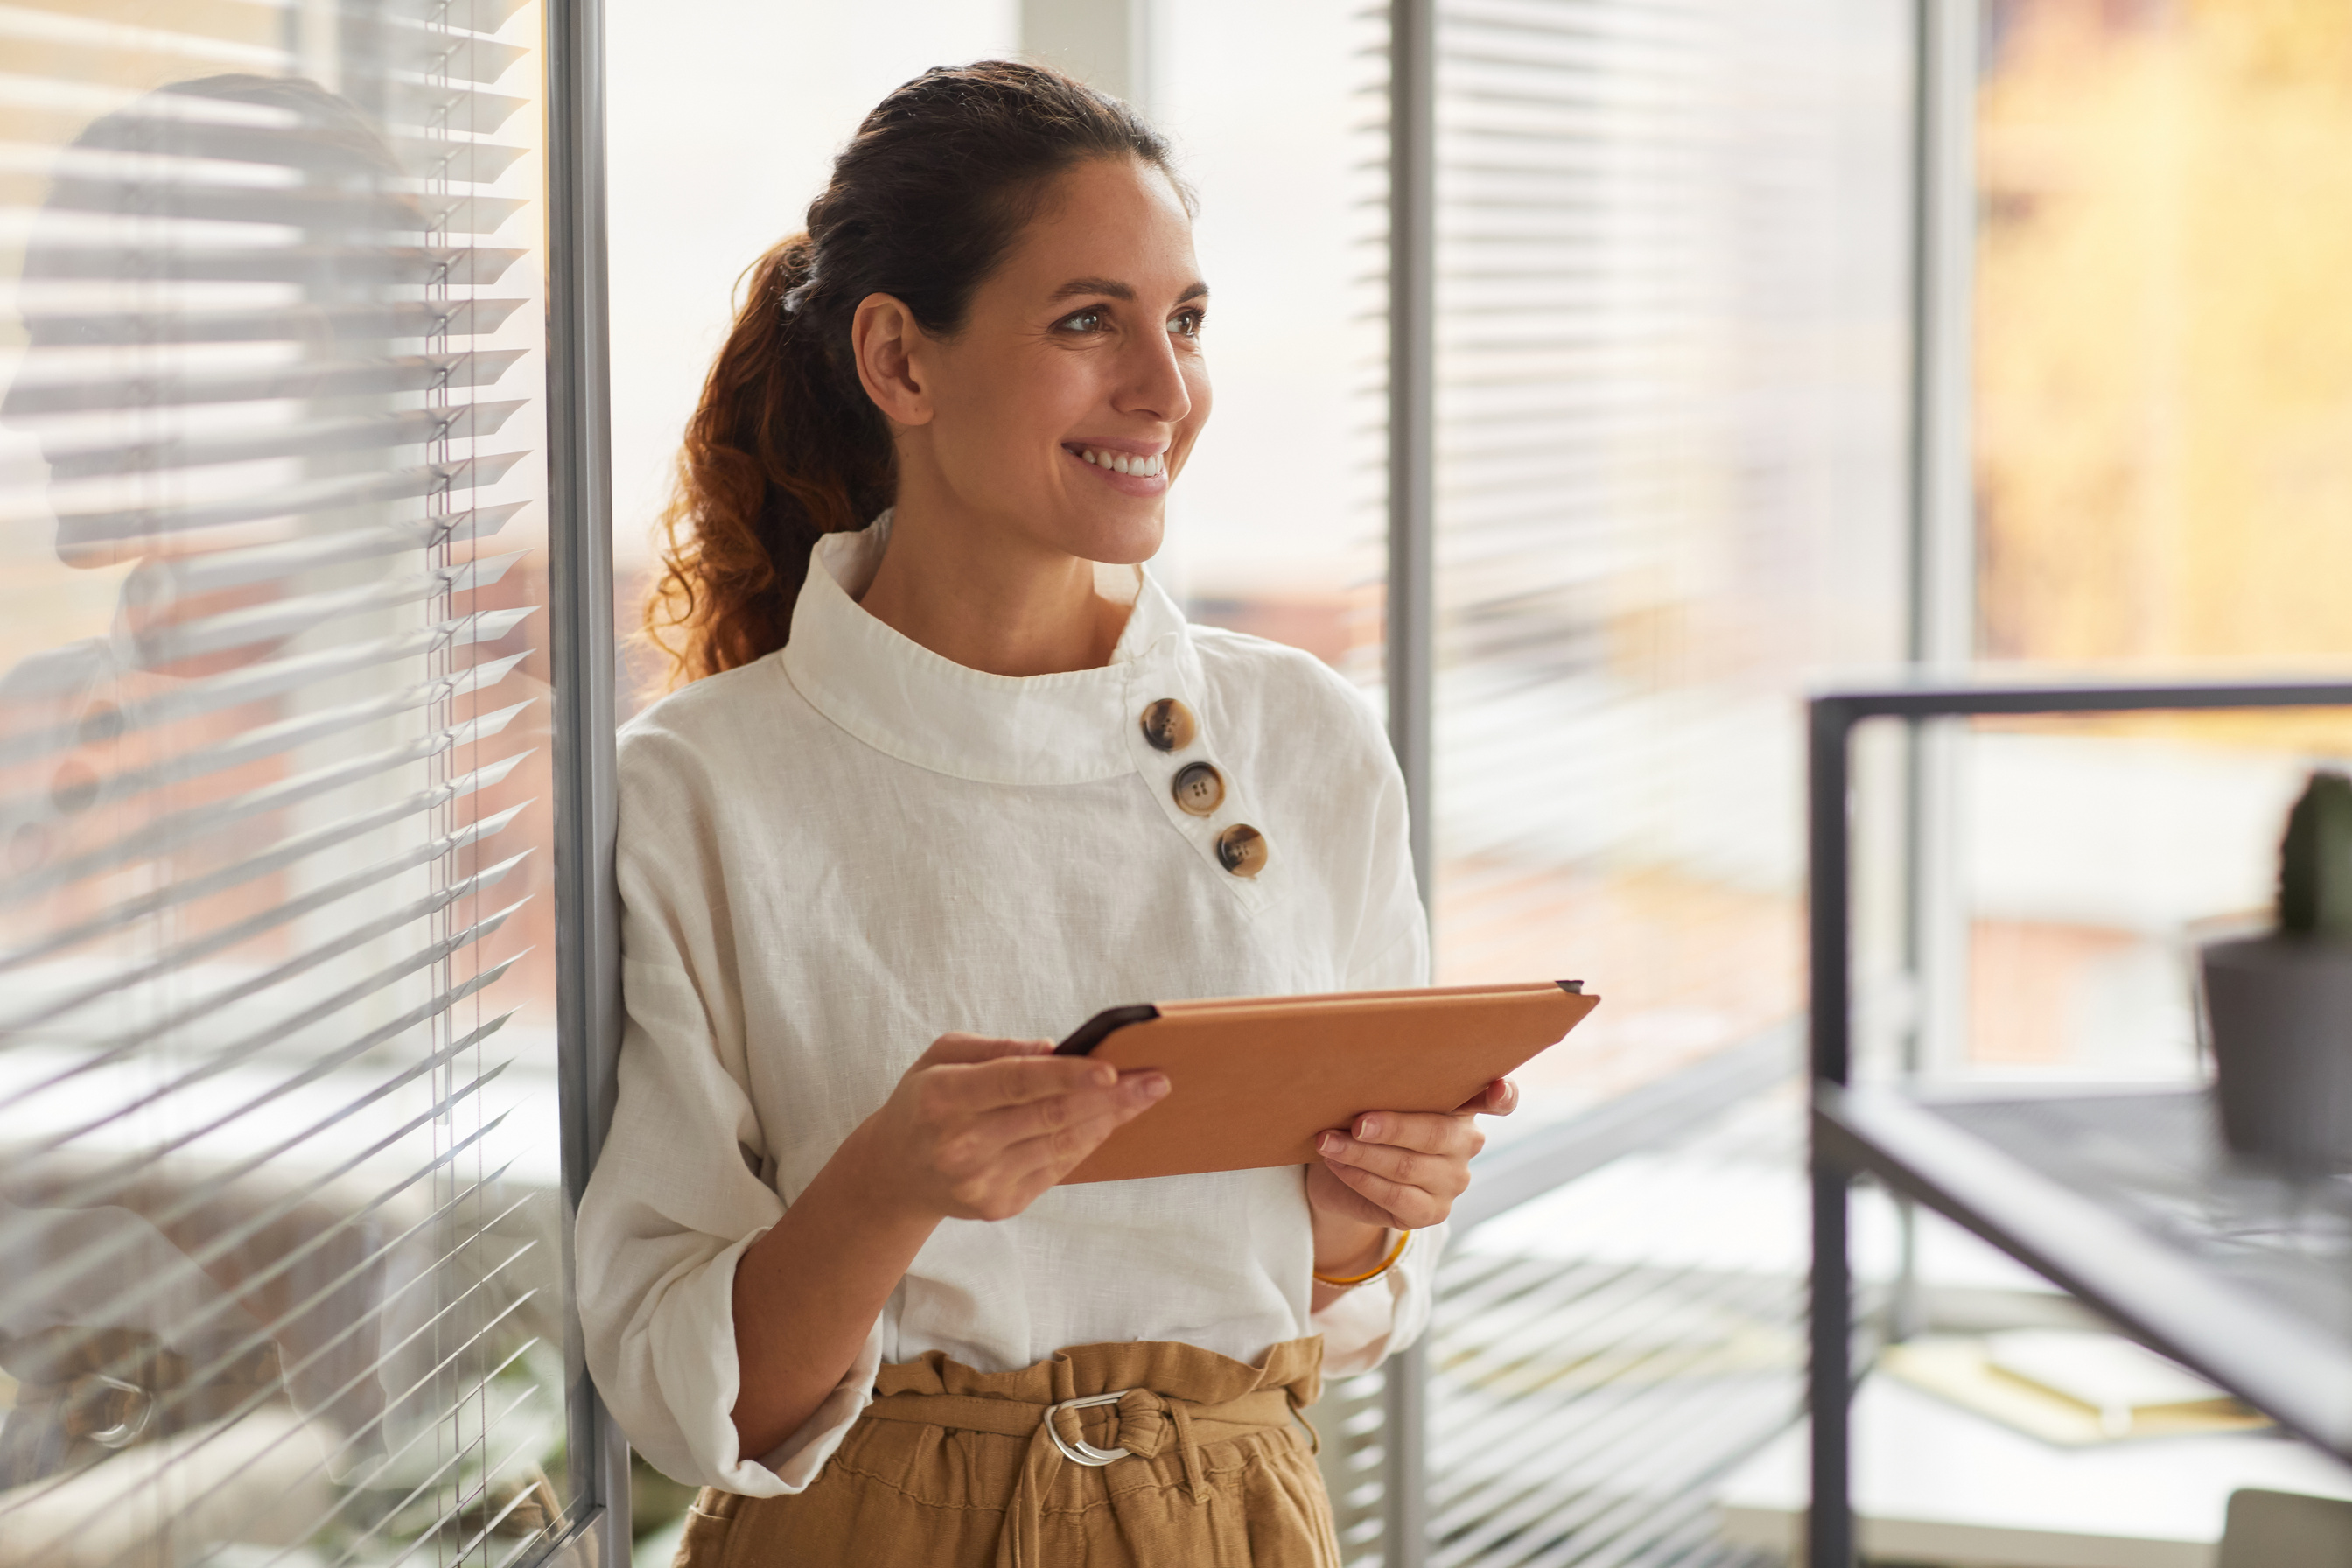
(833,855)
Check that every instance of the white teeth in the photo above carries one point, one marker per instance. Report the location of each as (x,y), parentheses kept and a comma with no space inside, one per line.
(1150,467)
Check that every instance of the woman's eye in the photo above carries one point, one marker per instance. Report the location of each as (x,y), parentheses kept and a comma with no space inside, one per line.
(1085,321)
(1185,323)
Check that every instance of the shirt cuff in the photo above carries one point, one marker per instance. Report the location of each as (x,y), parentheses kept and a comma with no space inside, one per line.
(796,1461)
(702,1368)
(1367,1325)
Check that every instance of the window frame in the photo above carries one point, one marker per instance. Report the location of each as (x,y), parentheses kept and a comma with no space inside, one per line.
(584,652)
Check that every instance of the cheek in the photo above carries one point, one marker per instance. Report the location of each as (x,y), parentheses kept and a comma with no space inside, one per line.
(990,409)
(1012,417)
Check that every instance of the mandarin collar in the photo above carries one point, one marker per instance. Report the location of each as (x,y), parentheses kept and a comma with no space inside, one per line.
(906,701)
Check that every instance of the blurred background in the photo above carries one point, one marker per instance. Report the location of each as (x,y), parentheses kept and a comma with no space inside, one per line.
(1776,342)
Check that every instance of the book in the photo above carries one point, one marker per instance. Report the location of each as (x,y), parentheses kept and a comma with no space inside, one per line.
(2072,1387)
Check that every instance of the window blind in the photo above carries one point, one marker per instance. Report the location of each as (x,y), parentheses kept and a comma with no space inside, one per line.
(1671,281)
(1669,290)
(281,1215)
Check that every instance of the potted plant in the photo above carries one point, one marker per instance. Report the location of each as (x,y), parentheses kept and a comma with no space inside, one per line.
(2278,1007)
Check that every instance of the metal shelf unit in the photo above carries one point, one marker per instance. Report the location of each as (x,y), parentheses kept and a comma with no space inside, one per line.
(2122,1199)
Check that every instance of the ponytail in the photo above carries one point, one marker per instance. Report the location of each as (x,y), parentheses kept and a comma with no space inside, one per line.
(784,446)
(778,452)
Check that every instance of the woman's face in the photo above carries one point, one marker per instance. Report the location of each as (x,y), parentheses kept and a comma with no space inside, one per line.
(1081,354)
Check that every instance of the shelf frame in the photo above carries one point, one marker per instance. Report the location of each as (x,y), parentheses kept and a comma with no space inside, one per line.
(2073,1243)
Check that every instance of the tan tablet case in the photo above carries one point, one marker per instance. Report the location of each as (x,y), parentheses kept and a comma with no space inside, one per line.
(1252,1081)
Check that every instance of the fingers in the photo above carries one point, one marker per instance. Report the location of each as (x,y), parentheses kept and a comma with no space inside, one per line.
(1438,1132)
(1445,1175)
(1059,1150)
(1411,1164)
(1499,1097)
(1409,1207)
(976,1088)
(986,1153)
(1129,1097)
(961,1047)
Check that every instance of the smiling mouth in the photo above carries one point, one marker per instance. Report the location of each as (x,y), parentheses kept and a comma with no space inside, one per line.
(1141,467)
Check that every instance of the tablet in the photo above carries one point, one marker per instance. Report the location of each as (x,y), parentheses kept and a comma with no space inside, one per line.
(1253,1080)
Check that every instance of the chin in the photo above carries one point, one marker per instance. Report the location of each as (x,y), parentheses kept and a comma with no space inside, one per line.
(1120,543)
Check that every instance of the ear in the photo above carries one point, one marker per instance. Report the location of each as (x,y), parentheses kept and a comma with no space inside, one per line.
(888,343)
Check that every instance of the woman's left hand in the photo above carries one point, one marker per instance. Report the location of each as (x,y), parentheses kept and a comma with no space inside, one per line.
(1400,1170)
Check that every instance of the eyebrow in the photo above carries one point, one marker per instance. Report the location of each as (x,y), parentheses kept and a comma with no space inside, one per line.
(1110,288)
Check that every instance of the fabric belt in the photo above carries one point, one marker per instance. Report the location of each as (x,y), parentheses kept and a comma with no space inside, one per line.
(1138,1422)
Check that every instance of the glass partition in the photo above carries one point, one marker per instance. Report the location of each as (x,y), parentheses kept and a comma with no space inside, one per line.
(282,1217)
(1671,402)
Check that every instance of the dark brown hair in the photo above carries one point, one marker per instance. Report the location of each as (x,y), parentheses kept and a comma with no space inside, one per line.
(786,446)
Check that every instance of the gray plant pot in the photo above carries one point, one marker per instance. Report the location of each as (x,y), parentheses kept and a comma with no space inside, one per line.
(2279,1010)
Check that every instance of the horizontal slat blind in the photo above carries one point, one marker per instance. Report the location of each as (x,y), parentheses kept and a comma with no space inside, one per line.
(1612,1351)
(281,1223)
(1670,281)
(1671,263)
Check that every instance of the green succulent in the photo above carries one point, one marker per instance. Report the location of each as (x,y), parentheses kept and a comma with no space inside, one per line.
(2315,892)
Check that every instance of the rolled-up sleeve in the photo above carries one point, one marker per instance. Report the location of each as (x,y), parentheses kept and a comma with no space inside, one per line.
(1380,1317)
(676,1195)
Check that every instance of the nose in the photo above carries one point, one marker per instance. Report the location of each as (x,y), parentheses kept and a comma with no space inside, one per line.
(1152,382)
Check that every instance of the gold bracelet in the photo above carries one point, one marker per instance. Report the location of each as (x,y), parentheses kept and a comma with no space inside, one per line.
(1403,1237)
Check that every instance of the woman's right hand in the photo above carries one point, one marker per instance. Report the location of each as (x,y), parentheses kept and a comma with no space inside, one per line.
(979,1128)
(976,1129)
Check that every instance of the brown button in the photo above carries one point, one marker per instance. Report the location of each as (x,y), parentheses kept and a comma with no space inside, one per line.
(1199,789)
(1168,725)
(1241,849)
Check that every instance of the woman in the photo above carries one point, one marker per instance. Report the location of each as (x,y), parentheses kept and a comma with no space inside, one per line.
(940,796)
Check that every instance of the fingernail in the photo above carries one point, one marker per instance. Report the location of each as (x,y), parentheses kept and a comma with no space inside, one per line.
(1155,1086)
(1331,1142)
(1369,1129)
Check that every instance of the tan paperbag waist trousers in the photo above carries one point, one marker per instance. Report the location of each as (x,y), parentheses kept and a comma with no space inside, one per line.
(959,1469)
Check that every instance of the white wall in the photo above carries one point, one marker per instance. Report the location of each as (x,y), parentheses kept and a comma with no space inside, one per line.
(724,116)
(1286,491)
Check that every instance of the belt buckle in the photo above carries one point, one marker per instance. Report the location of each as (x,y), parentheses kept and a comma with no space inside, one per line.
(1085,1453)
(124,1433)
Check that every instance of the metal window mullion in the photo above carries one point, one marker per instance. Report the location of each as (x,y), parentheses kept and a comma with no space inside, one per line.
(580,594)
(1410,633)
(1412,383)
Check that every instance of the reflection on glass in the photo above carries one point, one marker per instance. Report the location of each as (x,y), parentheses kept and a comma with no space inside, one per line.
(281,1222)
